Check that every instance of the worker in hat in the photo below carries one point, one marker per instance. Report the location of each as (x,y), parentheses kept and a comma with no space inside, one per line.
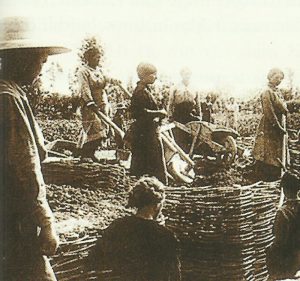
(27,224)
(284,255)
(146,146)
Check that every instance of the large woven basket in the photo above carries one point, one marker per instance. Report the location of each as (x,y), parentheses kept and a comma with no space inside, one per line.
(223,233)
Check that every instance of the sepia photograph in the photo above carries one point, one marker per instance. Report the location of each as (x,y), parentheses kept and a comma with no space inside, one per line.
(150,140)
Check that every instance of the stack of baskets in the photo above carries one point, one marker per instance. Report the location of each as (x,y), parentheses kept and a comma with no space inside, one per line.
(224,232)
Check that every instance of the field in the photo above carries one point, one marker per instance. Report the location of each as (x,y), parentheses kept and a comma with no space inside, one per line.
(74,202)
(86,198)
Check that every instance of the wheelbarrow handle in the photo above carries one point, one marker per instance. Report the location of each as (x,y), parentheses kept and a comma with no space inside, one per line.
(174,146)
(108,121)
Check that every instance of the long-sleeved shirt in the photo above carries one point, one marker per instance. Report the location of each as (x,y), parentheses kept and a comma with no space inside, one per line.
(137,249)
(284,254)
(269,143)
(23,194)
(91,87)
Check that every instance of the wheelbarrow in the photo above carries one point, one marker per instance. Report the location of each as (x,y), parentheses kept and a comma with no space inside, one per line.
(207,139)
(179,164)
(61,148)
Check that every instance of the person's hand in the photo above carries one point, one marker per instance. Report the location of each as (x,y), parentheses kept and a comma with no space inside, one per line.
(49,240)
(195,117)
(93,107)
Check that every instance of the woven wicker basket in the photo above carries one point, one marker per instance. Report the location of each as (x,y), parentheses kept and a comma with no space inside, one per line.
(224,233)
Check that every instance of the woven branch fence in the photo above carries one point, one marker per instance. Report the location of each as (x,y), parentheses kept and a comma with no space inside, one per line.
(223,231)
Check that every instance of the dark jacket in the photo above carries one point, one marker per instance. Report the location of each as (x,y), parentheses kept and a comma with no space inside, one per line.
(284,255)
(136,249)
(23,195)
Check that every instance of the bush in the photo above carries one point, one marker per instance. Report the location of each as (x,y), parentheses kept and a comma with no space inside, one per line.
(60,129)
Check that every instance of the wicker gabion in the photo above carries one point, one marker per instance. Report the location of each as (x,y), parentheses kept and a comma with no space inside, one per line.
(82,180)
(266,196)
(224,232)
(70,262)
(295,155)
(90,175)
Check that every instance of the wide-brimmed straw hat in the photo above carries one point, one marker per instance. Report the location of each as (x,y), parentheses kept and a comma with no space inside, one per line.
(17,33)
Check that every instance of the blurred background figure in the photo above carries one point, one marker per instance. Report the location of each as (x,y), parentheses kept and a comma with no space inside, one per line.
(232,111)
(184,106)
(27,224)
(207,109)
(138,247)
(184,103)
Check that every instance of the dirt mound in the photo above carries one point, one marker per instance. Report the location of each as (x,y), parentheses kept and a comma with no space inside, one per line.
(80,209)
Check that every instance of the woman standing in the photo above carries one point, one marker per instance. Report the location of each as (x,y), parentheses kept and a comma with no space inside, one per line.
(269,144)
(24,207)
(147,150)
(93,98)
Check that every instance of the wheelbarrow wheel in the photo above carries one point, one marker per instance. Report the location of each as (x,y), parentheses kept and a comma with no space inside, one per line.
(228,156)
